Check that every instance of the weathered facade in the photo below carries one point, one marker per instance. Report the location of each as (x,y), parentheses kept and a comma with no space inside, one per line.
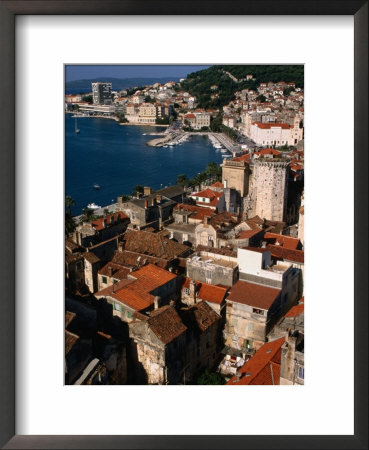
(212,268)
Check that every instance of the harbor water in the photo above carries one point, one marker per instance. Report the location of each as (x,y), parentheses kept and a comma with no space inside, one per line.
(116,158)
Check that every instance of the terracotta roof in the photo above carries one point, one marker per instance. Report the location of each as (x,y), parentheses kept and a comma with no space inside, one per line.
(268,151)
(268,126)
(286,253)
(252,294)
(127,258)
(247,234)
(208,292)
(137,293)
(70,340)
(207,193)
(99,223)
(119,272)
(166,324)
(296,310)
(217,251)
(153,244)
(246,157)
(198,212)
(259,368)
(284,241)
(200,315)
(217,184)
(91,257)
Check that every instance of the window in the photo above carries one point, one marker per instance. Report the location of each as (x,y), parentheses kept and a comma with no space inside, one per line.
(117,307)
(186,291)
(301,373)
(129,314)
(258,311)
(104,280)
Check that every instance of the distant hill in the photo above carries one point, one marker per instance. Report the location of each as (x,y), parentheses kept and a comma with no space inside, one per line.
(117,83)
(199,83)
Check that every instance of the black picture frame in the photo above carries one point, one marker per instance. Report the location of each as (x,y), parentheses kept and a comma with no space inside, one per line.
(8,11)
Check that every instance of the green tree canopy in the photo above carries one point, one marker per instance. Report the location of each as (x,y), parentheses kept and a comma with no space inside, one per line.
(213,378)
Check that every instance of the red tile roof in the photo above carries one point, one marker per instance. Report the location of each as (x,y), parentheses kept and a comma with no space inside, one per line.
(118,272)
(286,253)
(99,223)
(296,310)
(268,151)
(284,241)
(137,293)
(207,193)
(259,368)
(247,234)
(208,292)
(166,324)
(268,126)
(198,212)
(217,184)
(252,294)
(153,244)
(246,157)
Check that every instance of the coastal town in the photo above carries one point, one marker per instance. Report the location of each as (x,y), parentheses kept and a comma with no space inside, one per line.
(201,282)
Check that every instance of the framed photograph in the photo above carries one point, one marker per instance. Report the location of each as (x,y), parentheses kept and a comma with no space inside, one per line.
(190,92)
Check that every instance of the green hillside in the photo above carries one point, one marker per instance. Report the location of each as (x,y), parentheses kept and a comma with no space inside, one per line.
(199,83)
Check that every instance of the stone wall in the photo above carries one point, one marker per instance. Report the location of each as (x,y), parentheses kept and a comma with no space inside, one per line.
(270,189)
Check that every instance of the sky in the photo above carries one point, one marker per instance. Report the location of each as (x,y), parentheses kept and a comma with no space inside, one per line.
(80,72)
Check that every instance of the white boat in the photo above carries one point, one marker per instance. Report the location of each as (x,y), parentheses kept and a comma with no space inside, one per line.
(144,134)
(93,206)
(75,126)
(223,150)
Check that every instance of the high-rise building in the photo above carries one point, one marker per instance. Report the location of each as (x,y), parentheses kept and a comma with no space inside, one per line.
(101,93)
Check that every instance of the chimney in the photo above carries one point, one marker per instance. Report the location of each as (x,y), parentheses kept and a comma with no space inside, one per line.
(147,190)
(156,301)
(110,271)
(146,204)
(206,220)
(193,290)
(158,198)
(104,223)
(120,247)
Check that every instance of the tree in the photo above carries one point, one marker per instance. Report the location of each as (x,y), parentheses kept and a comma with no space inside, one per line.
(208,377)
(87,215)
(88,99)
(106,211)
(182,179)
(70,224)
(261,98)
(138,189)
(69,202)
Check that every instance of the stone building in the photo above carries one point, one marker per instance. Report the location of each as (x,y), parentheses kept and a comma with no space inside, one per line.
(235,174)
(250,312)
(158,344)
(91,267)
(292,363)
(268,193)
(212,268)
(203,339)
(74,271)
(148,211)
(99,230)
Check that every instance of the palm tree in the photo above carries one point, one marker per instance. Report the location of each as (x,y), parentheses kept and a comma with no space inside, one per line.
(69,202)
(87,215)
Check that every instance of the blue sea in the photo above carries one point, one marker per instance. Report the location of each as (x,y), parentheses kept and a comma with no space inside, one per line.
(117,158)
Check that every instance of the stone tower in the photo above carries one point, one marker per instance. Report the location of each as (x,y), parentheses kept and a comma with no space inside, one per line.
(270,189)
